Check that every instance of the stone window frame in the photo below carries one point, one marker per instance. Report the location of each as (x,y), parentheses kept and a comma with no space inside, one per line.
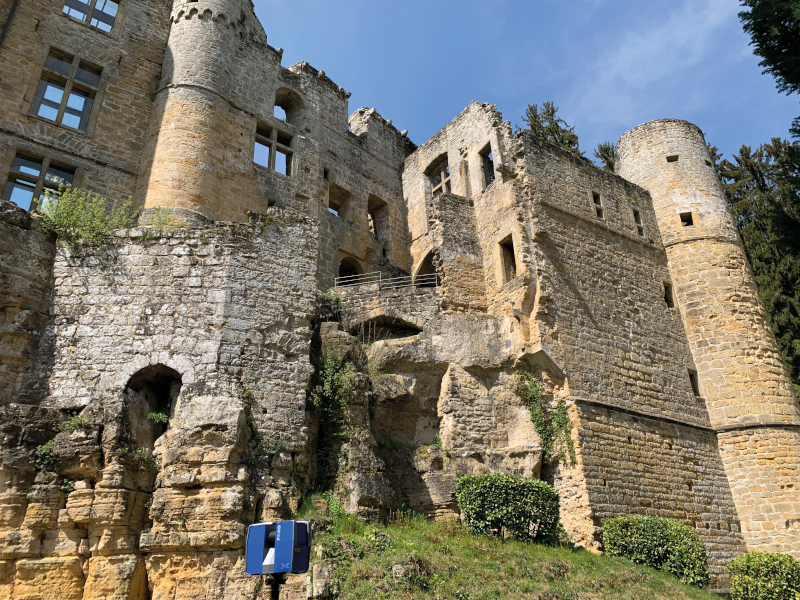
(507,272)
(439,176)
(278,142)
(638,221)
(77,77)
(487,165)
(91,5)
(599,205)
(40,181)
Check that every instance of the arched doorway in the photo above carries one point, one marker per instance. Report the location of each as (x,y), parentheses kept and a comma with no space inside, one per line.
(425,275)
(349,267)
(150,396)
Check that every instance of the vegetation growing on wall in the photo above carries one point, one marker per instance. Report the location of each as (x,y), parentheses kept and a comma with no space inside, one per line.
(764,576)
(667,544)
(551,424)
(84,218)
(43,459)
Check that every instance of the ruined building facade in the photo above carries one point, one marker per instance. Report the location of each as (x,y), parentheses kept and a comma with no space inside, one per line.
(627,295)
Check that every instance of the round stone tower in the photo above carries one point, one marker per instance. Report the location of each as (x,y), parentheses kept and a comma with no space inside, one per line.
(740,373)
(188,137)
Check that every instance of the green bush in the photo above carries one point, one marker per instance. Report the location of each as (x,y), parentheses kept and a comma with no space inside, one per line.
(666,544)
(524,507)
(764,576)
(161,418)
(84,218)
(74,423)
(43,459)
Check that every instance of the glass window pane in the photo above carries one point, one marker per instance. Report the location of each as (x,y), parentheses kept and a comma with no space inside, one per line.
(27,165)
(282,162)
(50,95)
(77,9)
(88,74)
(76,114)
(59,63)
(58,175)
(261,154)
(19,192)
(105,11)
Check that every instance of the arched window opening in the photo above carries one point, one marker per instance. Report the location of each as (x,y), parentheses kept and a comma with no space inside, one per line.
(289,107)
(426,273)
(150,398)
(349,267)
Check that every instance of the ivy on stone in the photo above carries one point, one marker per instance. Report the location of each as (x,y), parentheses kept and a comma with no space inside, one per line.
(553,426)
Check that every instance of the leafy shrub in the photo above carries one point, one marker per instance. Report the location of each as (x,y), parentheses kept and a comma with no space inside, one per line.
(146,458)
(764,576)
(79,217)
(527,508)
(44,460)
(67,486)
(74,423)
(161,418)
(666,544)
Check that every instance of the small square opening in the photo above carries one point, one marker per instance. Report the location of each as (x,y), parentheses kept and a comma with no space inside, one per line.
(284,138)
(687,220)
(673,158)
(598,205)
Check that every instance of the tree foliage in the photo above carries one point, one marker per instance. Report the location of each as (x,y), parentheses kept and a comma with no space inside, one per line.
(764,576)
(763,192)
(774,28)
(545,125)
(79,217)
(606,153)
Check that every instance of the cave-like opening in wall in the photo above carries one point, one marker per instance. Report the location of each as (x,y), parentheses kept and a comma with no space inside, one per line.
(150,396)
(426,272)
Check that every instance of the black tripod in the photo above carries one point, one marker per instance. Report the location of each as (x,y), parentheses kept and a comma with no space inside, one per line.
(275,582)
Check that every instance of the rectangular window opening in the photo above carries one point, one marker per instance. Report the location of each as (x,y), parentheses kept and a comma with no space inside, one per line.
(105,12)
(487,165)
(509,259)
(687,220)
(54,103)
(637,218)
(76,9)
(339,201)
(283,162)
(673,158)
(31,177)
(598,205)
(326,174)
(439,176)
(695,382)
(669,299)
(284,138)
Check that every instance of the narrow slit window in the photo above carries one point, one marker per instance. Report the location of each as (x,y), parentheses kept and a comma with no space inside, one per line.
(487,165)
(687,220)
(637,219)
(508,258)
(669,299)
(694,382)
(672,158)
(598,205)
(378,213)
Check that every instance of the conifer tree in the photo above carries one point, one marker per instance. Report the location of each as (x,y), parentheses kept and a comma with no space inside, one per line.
(606,152)
(545,125)
(763,192)
(774,28)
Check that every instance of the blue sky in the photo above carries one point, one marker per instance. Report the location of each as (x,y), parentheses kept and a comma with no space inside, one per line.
(608,65)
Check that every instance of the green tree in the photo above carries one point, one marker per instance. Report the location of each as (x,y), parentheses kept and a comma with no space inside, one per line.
(763,192)
(774,28)
(606,152)
(545,125)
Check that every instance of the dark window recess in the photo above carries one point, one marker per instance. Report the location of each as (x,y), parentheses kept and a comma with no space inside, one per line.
(378,213)
(598,205)
(349,267)
(439,176)
(31,177)
(103,12)
(687,220)
(708,163)
(66,92)
(339,200)
(325,174)
(637,218)
(694,381)
(673,158)
(487,165)
(273,150)
(509,259)
(668,297)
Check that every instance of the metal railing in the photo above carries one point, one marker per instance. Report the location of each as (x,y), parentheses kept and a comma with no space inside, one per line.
(429,280)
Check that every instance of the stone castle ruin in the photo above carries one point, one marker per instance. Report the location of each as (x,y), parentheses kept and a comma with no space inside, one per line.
(478,254)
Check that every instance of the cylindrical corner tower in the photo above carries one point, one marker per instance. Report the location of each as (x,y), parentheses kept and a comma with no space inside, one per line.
(187,140)
(741,374)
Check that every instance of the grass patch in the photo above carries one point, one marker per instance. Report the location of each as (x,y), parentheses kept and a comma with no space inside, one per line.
(442,560)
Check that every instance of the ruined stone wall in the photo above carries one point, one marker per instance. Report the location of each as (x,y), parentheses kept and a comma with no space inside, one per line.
(26,283)
(107,154)
(739,368)
(223,313)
